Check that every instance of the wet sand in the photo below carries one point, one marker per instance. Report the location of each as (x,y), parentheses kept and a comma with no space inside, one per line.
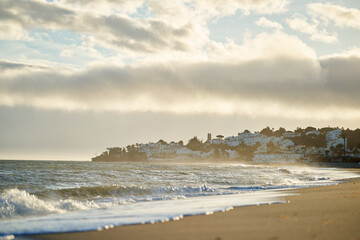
(331,212)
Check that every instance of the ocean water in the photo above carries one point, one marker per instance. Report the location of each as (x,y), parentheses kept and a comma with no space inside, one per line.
(49,196)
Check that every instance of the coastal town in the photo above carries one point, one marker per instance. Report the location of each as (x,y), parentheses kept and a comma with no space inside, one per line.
(266,146)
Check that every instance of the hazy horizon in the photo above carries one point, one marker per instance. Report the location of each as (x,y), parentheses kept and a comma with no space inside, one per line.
(79,76)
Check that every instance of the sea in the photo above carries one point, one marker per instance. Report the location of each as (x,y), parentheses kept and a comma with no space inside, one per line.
(67,196)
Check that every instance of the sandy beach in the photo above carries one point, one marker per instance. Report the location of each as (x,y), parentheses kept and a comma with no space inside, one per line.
(331,212)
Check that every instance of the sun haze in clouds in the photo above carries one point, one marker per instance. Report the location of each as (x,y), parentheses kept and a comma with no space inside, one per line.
(242,61)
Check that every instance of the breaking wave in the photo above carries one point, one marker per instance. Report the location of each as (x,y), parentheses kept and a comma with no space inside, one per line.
(96,192)
(17,203)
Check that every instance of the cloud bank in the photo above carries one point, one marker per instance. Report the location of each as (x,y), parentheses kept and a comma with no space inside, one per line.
(175,67)
(277,75)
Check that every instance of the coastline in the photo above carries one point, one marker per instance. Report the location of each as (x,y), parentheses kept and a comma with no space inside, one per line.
(329,212)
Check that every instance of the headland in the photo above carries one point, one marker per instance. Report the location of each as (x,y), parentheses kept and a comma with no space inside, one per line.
(268,146)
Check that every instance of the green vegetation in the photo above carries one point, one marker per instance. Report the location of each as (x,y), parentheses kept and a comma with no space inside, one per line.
(195,144)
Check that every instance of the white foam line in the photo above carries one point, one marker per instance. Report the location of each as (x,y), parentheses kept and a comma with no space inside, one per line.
(138,213)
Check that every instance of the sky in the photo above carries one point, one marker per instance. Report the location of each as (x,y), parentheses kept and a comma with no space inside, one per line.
(77,76)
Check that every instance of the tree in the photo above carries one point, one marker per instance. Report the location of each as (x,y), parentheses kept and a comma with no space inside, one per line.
(325,130)
(299,130)
(114,150)
(162,142)
(332,149)
(220,136)
(246,152)
(308,129)
(267,132)
(195,144)
(353,138)
(338,148)
(280,132)
(356,150)
(272,147)
(270,144)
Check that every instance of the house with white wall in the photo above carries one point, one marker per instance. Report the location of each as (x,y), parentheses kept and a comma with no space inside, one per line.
(333,138)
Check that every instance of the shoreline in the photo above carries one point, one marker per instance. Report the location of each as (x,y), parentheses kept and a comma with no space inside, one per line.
(327,212)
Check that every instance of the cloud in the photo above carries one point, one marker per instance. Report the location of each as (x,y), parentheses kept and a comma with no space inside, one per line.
(299,23)
(284,79)
(341,16)
(263,22)
(113,30)
(13,31)
(11,66)
(229,7)
(133,28)
(343,75)
(105,6)
(209,7)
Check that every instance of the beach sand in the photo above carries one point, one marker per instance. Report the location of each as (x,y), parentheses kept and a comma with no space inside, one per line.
(331,212)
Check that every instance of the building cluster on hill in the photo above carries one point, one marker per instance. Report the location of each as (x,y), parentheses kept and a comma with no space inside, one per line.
(266,146)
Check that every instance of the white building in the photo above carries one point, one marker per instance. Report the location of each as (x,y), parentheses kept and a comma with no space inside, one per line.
(256,139)
(246,138)
(285,144)
(299,149)
(312,151)
(313,132)
(333,135)
(333,138)
(251,139)
(217,141)
(159,151)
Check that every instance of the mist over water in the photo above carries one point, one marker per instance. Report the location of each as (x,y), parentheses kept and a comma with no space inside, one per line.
(78,196)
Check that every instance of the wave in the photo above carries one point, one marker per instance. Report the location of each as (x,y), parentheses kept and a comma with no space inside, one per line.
(18,203)
(93,192)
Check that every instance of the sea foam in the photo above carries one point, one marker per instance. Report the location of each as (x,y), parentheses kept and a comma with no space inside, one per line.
(138,213)
(90,196)
(18,203)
